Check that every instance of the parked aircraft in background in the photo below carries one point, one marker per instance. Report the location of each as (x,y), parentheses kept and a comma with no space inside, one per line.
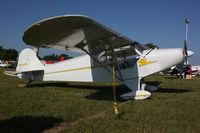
(3,64)
(195,70)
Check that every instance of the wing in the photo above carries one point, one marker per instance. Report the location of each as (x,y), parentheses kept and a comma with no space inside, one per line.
(74,32)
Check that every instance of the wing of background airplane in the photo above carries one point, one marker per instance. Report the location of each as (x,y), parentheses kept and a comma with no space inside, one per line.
(75,32)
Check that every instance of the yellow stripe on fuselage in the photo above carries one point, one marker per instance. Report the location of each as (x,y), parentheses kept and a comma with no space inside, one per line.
(144,61)
(21,65)
(75,69)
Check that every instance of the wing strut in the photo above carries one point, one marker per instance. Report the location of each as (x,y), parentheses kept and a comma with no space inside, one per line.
(114,76)
(115,61)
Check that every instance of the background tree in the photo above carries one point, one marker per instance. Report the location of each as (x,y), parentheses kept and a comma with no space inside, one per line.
(54,57)
(51,57)
(8,54)
(66,56)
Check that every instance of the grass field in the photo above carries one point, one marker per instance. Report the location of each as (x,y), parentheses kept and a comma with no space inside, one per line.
(82,107)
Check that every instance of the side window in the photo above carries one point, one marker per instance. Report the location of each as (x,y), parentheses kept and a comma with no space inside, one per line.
(126,57)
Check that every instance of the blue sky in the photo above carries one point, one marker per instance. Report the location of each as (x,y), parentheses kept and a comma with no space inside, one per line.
(157,21)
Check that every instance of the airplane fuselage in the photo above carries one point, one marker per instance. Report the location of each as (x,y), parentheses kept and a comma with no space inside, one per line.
(85,69)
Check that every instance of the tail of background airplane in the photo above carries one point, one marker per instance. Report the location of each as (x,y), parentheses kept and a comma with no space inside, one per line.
(28,62)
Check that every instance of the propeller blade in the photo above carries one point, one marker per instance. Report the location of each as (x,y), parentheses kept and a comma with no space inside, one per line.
(185,53)
(185,42)
(185,48)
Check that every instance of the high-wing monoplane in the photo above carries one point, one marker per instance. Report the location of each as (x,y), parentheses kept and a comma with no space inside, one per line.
(109,56)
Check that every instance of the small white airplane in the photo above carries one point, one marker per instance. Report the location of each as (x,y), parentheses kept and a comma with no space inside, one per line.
(109,55)
(4,64)
(195,70)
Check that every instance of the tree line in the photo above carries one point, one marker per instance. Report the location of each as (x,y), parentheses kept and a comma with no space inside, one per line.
(54,57)
(12,55)
(8,54)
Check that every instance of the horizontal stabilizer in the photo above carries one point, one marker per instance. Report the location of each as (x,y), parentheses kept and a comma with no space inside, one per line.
(10,73)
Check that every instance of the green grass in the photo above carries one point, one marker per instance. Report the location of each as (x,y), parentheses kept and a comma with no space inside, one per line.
(82,107)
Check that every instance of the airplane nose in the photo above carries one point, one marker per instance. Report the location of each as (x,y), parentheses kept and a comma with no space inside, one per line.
(190,53)
(170,57)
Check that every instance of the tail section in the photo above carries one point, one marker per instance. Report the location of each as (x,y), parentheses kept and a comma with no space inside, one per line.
(28,62)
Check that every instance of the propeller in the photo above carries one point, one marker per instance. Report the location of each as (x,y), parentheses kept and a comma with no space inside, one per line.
(185,53)
(185,42)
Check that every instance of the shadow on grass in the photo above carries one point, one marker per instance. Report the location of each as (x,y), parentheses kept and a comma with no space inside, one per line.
(167,90)
(28,124)
(173,90)
(107,94)
(49,84)
(154,83)
(172,77)
(74,85)
(104,92)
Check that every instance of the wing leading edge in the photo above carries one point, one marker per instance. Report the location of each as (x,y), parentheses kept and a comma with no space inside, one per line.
(75,32)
